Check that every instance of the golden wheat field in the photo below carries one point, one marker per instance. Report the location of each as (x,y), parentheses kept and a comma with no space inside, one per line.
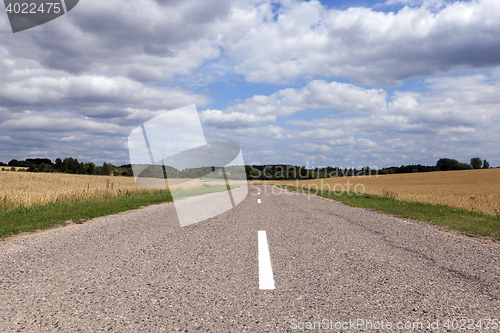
(477,190)
(25,189)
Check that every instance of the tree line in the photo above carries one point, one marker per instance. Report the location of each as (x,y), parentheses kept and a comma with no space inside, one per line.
(73,166)
(68,165)
(160,171)
(251,172)
(291,172)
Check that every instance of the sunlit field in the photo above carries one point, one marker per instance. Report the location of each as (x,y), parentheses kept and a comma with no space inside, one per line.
(24,189)
(474,190)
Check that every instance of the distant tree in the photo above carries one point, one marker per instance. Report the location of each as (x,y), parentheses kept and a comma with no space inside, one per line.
(81,169)
(45,167)
(38,161)
(476,163)
(254,175)
(70,165)
(303,172)
(106,169)
(486,164)
(90,167)
(13,163)
(463,166)
(59,164)
(445,164)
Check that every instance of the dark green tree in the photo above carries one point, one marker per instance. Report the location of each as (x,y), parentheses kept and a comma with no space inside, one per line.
(445,164)
(59,164)
(90,167)
(106,169)
(476,163)
(486,164)
(254,175)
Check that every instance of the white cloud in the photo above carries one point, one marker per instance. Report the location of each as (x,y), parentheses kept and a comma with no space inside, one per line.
(153,41)
(148,41)
(367,46)
(426,3)
(233,120)
(310,148)
(458,114)
(114,64)
(95,96)
(318,94)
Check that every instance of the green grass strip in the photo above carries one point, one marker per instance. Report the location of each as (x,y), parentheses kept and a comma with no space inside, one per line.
(468,222)
(40,217)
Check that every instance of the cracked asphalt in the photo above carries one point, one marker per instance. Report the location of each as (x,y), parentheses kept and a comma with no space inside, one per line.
(142,272)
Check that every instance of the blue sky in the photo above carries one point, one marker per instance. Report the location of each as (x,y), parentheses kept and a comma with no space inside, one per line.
(308,83)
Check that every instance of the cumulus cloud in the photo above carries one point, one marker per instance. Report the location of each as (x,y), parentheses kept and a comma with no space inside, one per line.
(95,96)
(318,94)
(60,134)
(449,115)
(338,97)
(233,120)
(83,81)
(157,38)
(153,41)
(368,46)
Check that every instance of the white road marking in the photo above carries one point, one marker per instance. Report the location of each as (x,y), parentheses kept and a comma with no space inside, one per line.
(266,279)
(258,201)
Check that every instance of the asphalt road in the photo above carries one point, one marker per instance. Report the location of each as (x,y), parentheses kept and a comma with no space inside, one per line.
(347,268)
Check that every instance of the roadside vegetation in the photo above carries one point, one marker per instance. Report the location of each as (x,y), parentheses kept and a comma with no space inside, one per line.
(23,189)
(468,222)
(33,218)
(473,190)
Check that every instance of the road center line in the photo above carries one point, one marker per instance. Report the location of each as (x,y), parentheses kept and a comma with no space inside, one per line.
(258,201)
(266,279)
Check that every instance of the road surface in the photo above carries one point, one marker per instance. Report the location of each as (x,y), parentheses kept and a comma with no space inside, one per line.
(341,267)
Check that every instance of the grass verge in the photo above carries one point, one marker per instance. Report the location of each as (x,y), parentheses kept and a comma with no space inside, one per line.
(468,222)
(41,217)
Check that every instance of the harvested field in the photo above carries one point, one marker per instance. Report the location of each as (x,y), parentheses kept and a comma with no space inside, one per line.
(474,190)
(25,189)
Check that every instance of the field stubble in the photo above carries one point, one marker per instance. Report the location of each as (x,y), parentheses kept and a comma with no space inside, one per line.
(24,189)
(473,190)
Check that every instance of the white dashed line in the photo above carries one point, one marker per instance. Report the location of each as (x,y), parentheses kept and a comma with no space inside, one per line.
(259,201)
(266,279)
